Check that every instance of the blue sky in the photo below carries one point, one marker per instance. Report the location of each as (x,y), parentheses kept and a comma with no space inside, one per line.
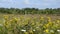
(30,3)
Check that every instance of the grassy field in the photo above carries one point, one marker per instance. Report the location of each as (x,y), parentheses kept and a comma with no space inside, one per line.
(29,24)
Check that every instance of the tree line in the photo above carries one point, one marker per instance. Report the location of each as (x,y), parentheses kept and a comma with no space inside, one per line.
(29,11)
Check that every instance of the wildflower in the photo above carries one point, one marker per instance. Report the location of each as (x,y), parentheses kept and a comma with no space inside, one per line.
(46,31)
(1,25)
(33,24)
(58,30)
(16,19)
(33,30)
(52,31)
(58,21)
(23,30)
(6,16)
(46,25)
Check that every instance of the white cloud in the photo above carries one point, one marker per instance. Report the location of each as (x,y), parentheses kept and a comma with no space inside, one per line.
(26,2)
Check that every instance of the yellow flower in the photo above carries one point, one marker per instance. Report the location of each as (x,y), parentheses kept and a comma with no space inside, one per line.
(6,16)
(16,19)
(47,25)
(58,21)
(47,31)
(7,24)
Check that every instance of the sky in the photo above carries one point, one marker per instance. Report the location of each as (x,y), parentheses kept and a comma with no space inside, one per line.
(30,4)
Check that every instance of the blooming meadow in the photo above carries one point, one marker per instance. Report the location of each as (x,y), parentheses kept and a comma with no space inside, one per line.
(29,24)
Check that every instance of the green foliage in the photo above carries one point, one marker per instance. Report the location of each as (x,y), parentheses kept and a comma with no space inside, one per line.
(29,11)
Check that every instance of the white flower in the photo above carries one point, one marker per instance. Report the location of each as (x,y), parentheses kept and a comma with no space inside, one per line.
(51,31)
(33,30)
(1,25)
(23,30)
(58,30)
